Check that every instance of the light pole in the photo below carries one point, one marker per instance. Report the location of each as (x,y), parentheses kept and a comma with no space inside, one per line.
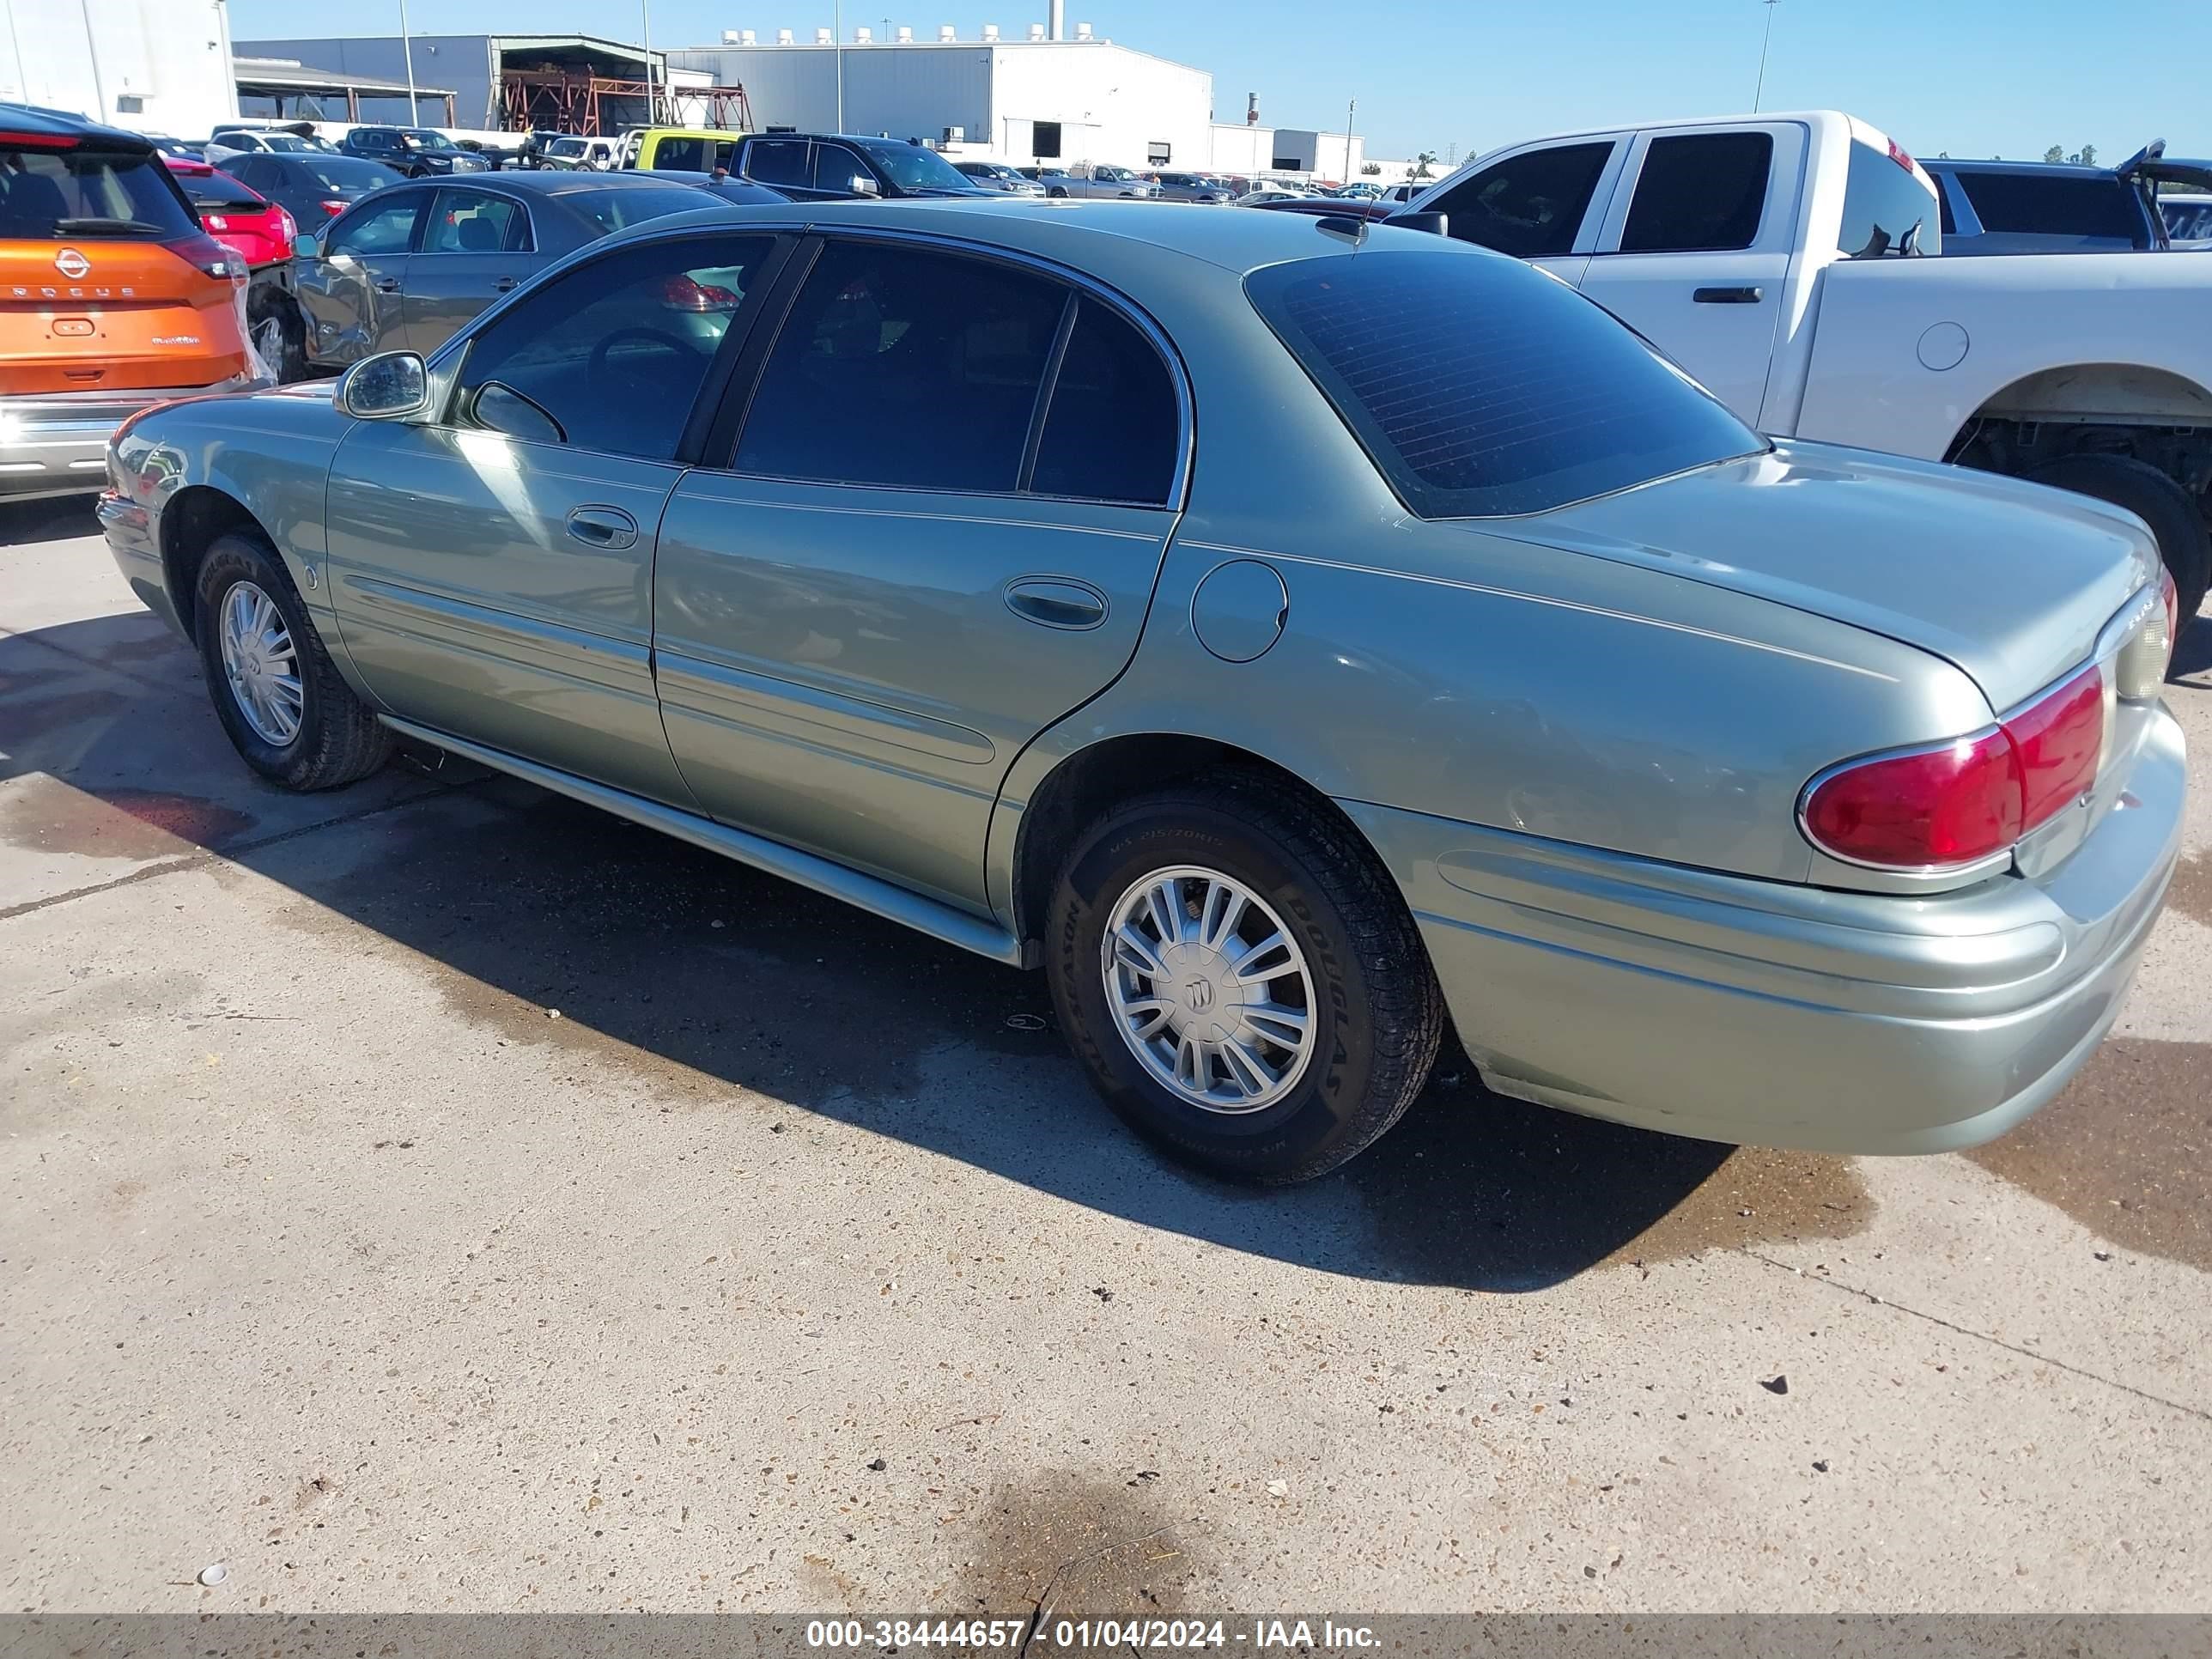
(1760,90)
(837,45)
(407,47)
(645,20)
(1348,109)
(91,46)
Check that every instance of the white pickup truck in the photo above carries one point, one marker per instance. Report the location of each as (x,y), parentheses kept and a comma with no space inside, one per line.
(1774,258)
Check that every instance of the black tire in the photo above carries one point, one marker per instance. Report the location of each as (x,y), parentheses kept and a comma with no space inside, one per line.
(1056,191)
(2173,516)
(1376,1012)
(338,740)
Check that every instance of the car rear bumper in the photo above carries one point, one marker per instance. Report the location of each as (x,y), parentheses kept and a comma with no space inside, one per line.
(1771,1014)
(56,443)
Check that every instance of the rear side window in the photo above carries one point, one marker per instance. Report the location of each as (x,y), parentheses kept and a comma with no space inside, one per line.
(904,368)
(1699,192)
(387,227)
(681,155)
(1529,206)
(778,161)
(2103,209)
(48,194)
(1111,432)
(1884,204)
(1480,387)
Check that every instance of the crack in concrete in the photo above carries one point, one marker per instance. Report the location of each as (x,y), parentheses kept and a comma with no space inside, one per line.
(2144,1394)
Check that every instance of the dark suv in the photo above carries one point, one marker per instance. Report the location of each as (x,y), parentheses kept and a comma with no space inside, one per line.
(826,165)
(418,152)
(2046,207)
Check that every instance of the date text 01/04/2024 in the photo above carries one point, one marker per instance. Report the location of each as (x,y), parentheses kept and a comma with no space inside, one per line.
(1085,1633)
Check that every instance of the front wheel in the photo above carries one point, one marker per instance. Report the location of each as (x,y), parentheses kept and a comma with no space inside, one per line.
(288,712)
(1241,980)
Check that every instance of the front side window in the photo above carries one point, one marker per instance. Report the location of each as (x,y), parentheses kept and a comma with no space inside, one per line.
(1887,210)
(385,228)
(474,221)
(1480,388)
(1699,192)
(905,368)
(835,167)
(778,161)
(916,167)
(612,356)
(1528,205)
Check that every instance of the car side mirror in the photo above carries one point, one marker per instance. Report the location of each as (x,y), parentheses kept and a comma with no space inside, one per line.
(389,386)
(307,244)
(1436,224)
(865,186)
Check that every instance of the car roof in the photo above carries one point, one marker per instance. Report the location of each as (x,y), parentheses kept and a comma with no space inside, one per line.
(529,183)
(60,124)
(1054,229)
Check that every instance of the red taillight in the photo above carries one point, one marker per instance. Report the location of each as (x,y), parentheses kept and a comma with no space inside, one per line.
(1948,805)
(1956,805)
(36,141)
(680,293)
(1897,155)
(2059,741)
(204,253)
(2171,595)
(333,209)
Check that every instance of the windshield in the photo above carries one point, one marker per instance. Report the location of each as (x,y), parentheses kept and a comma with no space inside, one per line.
(630,204)
(1113,173)
(913,167)
(290,143)
(47,193)
(565,147)
(343,175)
(420,139)
(1480,386)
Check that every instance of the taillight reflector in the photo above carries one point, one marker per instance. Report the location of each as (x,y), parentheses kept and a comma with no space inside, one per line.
(1964,801)
(1897,155)
(334,208)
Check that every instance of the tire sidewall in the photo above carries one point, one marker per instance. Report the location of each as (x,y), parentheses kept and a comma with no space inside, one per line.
(231,560)
(1277,1140)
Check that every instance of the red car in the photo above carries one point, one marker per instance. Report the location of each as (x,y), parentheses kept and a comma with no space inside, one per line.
(261,233)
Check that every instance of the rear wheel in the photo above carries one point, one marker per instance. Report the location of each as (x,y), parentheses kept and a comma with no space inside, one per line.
(286,711)
(1241,980)
(2174,517)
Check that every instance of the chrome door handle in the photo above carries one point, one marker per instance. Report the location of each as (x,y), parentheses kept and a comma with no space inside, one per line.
(606,527)
(387,285)
(1056,602)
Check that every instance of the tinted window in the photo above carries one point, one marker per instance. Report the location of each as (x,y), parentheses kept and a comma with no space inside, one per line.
(631,204)
(682,155)
(1527,205)
(88,192)
(2105,209)
(836,167)
(385,228)
(218,193)
(906,368)
(1480,387)
(615,352)
(472,221)
(778,161)
(1882,202)
(1699,192)
(1111,430)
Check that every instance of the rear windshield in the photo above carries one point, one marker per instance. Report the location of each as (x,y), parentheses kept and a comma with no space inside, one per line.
(613,210)
(2107,210)
(1481,387)
(48,194)
(217,192)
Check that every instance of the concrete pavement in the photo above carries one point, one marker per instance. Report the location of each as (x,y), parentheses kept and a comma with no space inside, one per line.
(437,1195)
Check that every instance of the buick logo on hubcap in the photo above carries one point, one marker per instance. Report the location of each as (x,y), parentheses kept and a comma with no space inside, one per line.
(1199,995)
(71,264)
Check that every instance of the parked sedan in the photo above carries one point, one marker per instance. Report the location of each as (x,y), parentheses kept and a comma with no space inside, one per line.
(1192,187)
(1543,698)
(411,263)
(998,176)
(313,188)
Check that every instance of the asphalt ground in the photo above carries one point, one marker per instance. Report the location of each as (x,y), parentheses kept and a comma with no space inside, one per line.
(439,1196)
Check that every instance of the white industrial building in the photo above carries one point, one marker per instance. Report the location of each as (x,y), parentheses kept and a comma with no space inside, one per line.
(159,66)
(1018,93)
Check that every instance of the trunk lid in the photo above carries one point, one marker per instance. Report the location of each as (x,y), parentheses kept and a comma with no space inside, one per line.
(2009,582)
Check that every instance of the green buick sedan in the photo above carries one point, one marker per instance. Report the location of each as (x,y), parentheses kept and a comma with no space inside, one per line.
(1300,638)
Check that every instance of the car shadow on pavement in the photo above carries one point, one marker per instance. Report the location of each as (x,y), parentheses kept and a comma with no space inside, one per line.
(688,972)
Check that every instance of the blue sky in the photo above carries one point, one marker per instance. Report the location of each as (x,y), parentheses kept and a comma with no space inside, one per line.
(1975,77)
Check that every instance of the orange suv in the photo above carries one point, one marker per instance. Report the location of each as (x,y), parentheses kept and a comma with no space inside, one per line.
(111,297)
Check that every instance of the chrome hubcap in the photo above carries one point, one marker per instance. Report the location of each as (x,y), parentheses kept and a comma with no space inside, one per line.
(258,661)
(1208,989)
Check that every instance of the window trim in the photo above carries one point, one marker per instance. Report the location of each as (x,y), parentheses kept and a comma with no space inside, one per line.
(719,453)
